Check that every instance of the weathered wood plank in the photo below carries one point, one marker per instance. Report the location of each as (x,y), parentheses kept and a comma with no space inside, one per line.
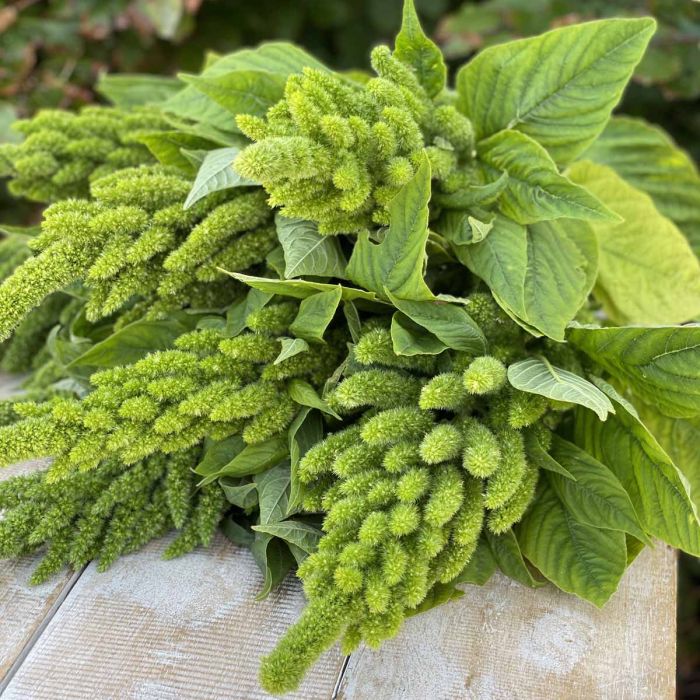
(23,608)
(148,629)
(504,641)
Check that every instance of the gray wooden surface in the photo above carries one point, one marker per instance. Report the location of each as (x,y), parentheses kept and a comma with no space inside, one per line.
(190,628)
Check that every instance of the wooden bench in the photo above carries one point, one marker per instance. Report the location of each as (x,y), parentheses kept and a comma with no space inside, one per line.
(190,628)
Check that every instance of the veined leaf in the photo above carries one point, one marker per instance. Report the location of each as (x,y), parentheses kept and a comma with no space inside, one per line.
(397,262)
(414,48)
(662,365)
(648,272)
(580,72)
(216,173)
(242,495)
(167,147)
(273,493)
(295,532)
(647,158)
(217,454)
(578,558)
(304,432)
(481,566)
(252,459)
(300,289)
(291,347)
(237,315)
(448,322)
(473,195)
(128,90)
(596,496)
(408,338)
(306,251)
(506,552)
(274,560)
(315,314)
(659,492)
(305,395)
(535,190)
(541,458)
(537,375)
(541,275)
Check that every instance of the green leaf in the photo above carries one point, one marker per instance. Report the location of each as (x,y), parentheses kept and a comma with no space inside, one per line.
(537,375)
(473,195)
(576,557)
(136,340)
(408,338)
(242,495)
(167,147)
(596,497)
(239,311)
(415,49)
(559,88)
(662,365)
(128,90)
(252,459)
(449,323)
(647,158)
(648,272)
(273,493)
(300,289)
(216,173)
(439,594)
(536,191)
(460,228)
(306,251)
(659,492)
(509,558)
(541,458)
(305,395)
(304,432)
(352,319)
(295,532)
(217,454)
(397,263)
(237,533)
(481,566)
(291,347)
(315,314)
(274,560)
(541,275)
(241,91)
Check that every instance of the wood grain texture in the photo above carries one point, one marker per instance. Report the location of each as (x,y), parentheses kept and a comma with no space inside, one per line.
(149,629)
(504,641)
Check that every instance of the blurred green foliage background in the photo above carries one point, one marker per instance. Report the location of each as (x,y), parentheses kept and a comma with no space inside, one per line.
(53,51)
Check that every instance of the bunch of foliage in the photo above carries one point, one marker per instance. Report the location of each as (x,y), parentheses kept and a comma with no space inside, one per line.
(405,334)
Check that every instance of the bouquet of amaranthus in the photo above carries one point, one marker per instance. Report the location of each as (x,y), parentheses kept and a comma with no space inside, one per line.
(393,333)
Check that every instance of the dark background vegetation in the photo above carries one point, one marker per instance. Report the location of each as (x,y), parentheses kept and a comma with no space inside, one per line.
(52,52)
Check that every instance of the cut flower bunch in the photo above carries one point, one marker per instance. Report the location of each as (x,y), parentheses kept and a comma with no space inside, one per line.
(389,331)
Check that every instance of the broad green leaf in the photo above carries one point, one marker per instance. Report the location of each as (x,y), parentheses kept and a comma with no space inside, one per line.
(273,493)
(306,251)
(448,322)
(305,395)
(536,191)
(659,492)
(242,495)
(274,560)
(236,533)
(237,315)
(295,532)
(167,147)
(252,459)
(408,338)
(647,158)
(415,49)
(127,90)
(648,272)
(596,497)
(541,275)
(537,375)
(481,566)
(315,314)
(304,432)
(681,440)
(217,454)
(578,558)
(216,173)
(397,262)
(559,88)
(241,91)
(460,228)
(352,319)
(132,342)
(509,558)
(542,459)
(473,195)
(291,347)
(439,594)
(662,365)
(300,289)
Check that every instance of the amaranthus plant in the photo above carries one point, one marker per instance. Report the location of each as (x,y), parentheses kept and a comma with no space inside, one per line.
(443,387)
